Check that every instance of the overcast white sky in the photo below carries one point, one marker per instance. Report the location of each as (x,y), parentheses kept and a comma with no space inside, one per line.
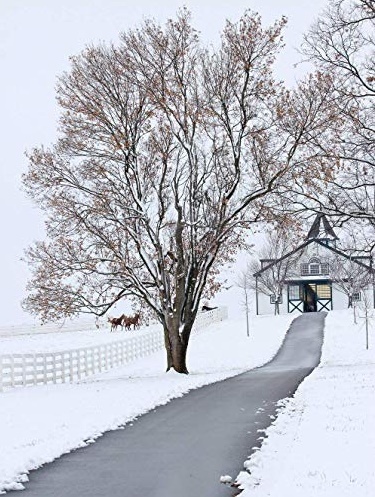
(36,39)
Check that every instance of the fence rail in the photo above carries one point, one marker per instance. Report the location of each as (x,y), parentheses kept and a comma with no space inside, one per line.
(70,365)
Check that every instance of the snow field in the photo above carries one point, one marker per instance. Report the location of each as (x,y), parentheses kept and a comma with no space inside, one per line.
(323,441)
(38,424)
(321,444)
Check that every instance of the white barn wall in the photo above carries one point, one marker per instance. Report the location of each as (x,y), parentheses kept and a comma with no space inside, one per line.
(339,299)
(264,304)
(284,305)
(265,307)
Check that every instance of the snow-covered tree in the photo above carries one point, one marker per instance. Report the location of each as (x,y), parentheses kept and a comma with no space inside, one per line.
(272,281)
(341,43)
(351,277)
(167,152)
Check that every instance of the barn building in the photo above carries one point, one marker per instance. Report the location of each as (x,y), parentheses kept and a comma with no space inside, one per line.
(317,276)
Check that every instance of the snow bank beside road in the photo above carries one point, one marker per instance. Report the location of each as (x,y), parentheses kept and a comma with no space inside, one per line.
(38,424)
(323,441)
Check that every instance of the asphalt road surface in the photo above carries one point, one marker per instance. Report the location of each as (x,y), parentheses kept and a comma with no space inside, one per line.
(181,449)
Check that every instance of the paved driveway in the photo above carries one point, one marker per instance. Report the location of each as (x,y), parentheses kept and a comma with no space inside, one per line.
(181,449)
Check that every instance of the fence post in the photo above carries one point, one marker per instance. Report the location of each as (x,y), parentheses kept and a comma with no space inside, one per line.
(54,368)
(86,364)
(121,344)
(79,364)
(100,358)
(71,366)
(63,379)
(110,356)
(24,365)
(33,369)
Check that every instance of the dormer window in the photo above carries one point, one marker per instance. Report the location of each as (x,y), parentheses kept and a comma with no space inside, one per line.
(314,268)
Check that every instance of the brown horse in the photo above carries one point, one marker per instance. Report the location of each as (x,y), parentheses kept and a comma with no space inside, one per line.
(117,322)
(132,320)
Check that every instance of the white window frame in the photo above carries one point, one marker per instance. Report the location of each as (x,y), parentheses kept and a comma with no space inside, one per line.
(314,268)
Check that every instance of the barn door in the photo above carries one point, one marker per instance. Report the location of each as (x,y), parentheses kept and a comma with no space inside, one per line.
(324,296)
(317,297)
(310,298)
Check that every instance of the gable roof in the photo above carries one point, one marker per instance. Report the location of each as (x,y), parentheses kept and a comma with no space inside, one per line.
(321,228)
(303,245)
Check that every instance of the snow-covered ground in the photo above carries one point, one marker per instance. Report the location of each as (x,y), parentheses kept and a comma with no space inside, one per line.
(321,444)
(38,424)
(323,440)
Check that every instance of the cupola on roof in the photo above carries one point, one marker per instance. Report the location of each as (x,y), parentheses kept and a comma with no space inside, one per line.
(321,229)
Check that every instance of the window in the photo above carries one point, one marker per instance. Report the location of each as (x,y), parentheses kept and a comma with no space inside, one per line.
(323,291)
(273,299)
(314,260)
(324,268)
(294,292)
(314,268)
(304,269)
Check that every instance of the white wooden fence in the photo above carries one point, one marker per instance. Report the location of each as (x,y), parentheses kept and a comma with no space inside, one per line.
(70,365)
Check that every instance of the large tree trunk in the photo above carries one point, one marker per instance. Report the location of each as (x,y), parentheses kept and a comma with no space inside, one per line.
(179,357)
(176,351)
(176,344)
(168,348)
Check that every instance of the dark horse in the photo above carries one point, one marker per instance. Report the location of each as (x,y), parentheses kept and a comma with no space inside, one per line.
(132,320)
(117,322)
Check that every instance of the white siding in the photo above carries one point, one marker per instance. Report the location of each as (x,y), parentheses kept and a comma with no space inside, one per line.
(265,307)
(339,299)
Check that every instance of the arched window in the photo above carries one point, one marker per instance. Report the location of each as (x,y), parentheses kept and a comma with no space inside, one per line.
(314,267)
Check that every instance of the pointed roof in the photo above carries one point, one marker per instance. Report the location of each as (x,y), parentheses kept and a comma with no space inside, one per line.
(321,228)
(369,267)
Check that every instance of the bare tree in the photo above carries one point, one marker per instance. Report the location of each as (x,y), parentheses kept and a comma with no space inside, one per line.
(342,43)
(167,152)
(359,236)
(272,281)
(366,307)
(351,277)
(244,282)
